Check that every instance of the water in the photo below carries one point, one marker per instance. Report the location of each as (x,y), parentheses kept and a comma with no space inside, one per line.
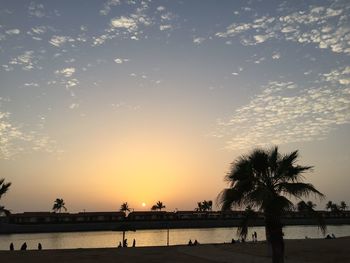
(155,237)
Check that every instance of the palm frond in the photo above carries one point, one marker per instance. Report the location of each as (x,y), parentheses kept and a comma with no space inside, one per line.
(229,197)
(298,189)
(4,187)
(249,218)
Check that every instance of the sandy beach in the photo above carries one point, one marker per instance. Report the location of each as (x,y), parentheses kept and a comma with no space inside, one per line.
(307,250)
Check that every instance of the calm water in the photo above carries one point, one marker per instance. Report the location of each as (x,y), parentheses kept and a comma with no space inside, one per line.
(155,237)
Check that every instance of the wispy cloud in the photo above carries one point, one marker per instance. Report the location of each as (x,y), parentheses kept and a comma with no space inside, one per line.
(26,60)
(127,23)
(36,10)
(107,6)
(13,140)
(66,72)
(120,60)
(324,26)
(198,40)
(285,113)
(58,41)
(14,31)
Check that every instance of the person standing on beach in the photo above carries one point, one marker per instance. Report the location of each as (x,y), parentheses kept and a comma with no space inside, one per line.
(134,243)
(12,246)
(255,236)
(24,246)
(40,247)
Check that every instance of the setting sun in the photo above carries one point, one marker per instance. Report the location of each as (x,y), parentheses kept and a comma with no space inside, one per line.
(143,204)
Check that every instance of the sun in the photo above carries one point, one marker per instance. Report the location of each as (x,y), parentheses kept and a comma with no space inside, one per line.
(143,204)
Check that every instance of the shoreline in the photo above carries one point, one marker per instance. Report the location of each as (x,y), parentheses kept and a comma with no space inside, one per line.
(8,228)
(297,250)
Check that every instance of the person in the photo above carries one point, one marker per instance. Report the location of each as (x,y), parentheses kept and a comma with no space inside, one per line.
(195,243)
(12,246)
(134,243)
(125,242)
(120,244)
(40,247)
(328,237)
(190,242)
(233,241)
(255,236)
(333,236)
(24,246)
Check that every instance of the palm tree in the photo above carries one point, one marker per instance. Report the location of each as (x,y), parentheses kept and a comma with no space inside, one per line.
(310,205)
(343,205)
(158,206)
(4,187)
(305,207)
(199,207)
(263,180)
(335,208)
(329,205)
(302,206)
(124,207)
(204,206)
(59,205)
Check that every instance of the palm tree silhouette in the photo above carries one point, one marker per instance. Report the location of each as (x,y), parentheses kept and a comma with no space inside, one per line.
(124,207)
(329,205)
(262,180)
(204,206)
(343,206)
(158,206)
(4,187)
(59,205)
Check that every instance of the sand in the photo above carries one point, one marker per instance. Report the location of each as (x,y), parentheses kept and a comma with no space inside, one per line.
(309,250)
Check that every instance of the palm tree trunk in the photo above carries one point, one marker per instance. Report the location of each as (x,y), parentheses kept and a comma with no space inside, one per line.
(274,237)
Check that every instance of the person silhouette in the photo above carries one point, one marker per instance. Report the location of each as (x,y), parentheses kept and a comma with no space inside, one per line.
(12,246)
(120,244)
(24,246)
(125,242)
(190,242)
(255,236)
(134,243)
(40,247)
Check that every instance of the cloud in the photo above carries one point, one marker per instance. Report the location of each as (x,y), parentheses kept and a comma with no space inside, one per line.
(325,27)
(198,40)
(108,6)
(31,84)
(14,140)
(120,60)
(14,31)
(66,72)
(58,41)
(124,22)
(74,106)
(165,27)
(284,113)
(26,60)
(36,10)
(276,55)
(160,8)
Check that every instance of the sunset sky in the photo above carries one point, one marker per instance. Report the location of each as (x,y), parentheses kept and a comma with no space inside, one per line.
(105,102)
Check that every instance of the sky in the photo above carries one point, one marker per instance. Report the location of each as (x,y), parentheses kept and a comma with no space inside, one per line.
(105,102)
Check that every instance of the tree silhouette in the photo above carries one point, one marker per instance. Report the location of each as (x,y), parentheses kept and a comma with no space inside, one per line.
(343,206)
(204,206)
(4,187)
(125,207)
(59,205)
(262,180)
(329,205)
(158,206)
